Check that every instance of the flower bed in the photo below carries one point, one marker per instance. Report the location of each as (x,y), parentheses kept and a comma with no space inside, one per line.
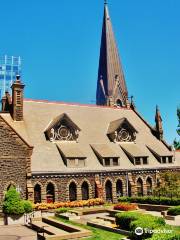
(125,206)
(81,203)
(151,200)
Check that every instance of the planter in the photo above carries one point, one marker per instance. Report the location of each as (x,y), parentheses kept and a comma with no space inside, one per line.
(13,219)
(152,207)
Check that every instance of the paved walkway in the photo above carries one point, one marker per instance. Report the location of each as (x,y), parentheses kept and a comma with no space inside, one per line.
(16,232)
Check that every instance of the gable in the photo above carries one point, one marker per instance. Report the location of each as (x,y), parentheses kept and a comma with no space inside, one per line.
(121,130)
(62,128)
(11,144)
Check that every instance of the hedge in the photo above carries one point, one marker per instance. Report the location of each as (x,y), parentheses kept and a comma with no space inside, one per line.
(165,233)
(174,211)
(131,220)
(151,200)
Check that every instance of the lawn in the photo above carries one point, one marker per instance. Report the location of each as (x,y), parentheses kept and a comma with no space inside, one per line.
(98,234)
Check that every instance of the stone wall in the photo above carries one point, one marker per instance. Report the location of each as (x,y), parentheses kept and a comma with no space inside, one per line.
(61,183)
(15,163)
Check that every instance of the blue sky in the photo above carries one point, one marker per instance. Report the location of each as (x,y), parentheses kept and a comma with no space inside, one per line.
(59,42)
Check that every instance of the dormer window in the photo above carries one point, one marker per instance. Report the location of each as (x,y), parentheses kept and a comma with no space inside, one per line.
(135,154)
(162,155)
(62,128)
(106,156)
(121,131)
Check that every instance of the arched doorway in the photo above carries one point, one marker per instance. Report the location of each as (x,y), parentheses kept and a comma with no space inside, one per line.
(108,188)
(149,186)
(85,191)
(50,193)
(37,193)
(139,187)
(119,188)
(72,191)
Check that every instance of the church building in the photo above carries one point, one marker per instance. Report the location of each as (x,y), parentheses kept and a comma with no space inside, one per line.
(53,151)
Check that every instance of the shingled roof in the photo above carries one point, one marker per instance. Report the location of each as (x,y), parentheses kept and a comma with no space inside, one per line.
(93,122)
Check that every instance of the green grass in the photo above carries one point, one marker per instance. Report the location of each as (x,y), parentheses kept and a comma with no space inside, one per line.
(97,234)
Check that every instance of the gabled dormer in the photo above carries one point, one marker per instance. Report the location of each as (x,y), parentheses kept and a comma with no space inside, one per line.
(121,130)
(62,128)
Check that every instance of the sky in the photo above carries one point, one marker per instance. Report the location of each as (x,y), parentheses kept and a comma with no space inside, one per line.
(59,43)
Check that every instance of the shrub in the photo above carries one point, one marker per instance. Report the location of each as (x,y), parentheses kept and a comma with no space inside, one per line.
(62,210)
(12,203)
(174,211)
(125,206)
(27,206)
(151,200)
(146,221)
(165,233)
(123,220)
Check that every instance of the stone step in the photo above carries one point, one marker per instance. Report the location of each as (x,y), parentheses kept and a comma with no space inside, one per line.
(48,229)
(107,218)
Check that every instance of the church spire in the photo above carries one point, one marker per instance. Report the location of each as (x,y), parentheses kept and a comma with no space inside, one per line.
(111,85)
(159,128)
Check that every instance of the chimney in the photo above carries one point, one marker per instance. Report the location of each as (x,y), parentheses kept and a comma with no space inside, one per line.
(17,99)
(6,102)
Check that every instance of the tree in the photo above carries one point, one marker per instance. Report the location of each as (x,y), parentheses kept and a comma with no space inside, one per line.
(13,204)
(169,185)
(177,143)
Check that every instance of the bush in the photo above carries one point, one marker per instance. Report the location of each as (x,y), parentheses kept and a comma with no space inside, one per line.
(12,203)
(125,206)
(146,221)
(151,200)
(27,206)
(62,210)
(123,220)
(174,211)
(165,233)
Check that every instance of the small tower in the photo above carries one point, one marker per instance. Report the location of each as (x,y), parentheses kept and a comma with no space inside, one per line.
(158,121)
(111,85)
(17,99)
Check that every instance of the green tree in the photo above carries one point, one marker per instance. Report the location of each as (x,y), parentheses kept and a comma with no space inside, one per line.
(13,204)
(169,185)
(177,143)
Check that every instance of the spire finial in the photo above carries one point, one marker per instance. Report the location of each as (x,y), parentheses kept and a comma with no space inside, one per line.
(105,2)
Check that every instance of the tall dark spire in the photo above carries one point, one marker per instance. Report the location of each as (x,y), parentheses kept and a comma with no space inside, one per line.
(159,127)
(111,85)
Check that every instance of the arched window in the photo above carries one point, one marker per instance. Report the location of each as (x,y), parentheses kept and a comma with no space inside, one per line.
(149,186)
(85,191)
(72,191)
(37,193)
(50,193)
(108,188)
(119,188)
(11,186)
(139,187)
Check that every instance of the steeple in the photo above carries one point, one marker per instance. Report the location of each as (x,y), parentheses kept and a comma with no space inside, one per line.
(159,128)
(111,85)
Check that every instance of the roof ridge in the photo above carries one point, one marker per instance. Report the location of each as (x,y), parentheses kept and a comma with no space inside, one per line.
(74,104)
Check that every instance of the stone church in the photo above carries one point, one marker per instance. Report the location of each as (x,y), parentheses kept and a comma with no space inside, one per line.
(53,151)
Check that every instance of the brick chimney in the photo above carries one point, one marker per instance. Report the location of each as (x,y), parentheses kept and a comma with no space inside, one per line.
(17,99)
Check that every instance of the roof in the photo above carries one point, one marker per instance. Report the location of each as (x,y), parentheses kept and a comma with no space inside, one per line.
(159,149)
(104,150)
(70,150)
(114,125)
(134,150)
(93,122)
